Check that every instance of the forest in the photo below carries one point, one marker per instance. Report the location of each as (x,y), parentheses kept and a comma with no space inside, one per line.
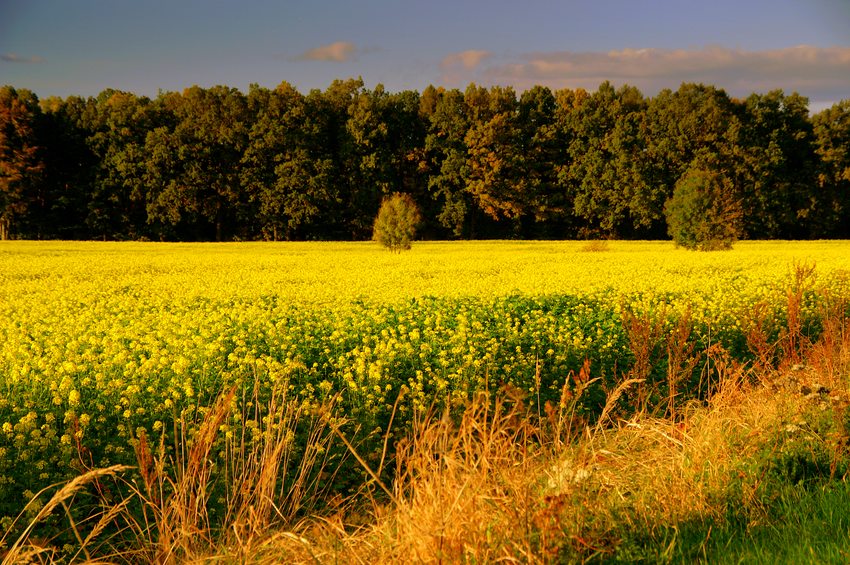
(216,164)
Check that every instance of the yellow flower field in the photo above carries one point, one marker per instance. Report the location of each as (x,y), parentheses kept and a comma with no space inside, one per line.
(101,342)
(340,272)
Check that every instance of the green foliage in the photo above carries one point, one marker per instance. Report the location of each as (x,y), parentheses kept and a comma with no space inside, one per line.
(543,142)
(832,199)
(805,526)
(20,164)
(775,160)
(494,161)
(397,221)
(608,179)
(285,170)
(703,213)
(194,178)
(214,163)
(445,153)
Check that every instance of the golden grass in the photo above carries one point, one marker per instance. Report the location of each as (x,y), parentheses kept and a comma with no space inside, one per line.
(493,486)
(26,549)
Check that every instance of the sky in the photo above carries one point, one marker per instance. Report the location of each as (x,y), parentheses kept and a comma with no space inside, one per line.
(81,47)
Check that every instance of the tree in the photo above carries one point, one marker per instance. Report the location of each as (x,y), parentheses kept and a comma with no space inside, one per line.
(397,221)
(61,203)
(385,135)
(117,124)
(608,178)
(275,164)
(368,158)
(704,213)
(541,140)
(20,162)
(445,154)
(344,142)
(568,103)
(696,124)
(193,169)
(775,164)
(831,214)
(406,130)
(284,171)
(494,158)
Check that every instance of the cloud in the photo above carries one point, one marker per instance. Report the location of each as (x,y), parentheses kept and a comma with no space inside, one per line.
(15,58)
(466,59)
(461,67)
(818,72)
(339,52)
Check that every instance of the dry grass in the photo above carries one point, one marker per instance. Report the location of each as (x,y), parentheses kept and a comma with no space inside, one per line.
(264,486)
(487,489)
(492,487)
(269,481)
(28,549)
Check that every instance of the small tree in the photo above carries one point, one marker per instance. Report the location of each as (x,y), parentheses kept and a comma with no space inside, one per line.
(398,218)
(704,212)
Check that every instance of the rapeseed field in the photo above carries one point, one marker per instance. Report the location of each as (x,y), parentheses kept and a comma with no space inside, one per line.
(102,344)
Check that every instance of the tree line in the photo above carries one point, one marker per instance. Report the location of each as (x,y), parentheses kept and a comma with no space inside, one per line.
(276,164)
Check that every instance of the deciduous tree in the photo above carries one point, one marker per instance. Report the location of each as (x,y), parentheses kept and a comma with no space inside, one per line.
(446,158)
(831,210)
(695,124)
(20,160)
(117,124)
(608,178)
(543,145)
(494,159)
(775,164)
(397,221)
(704,212)
(284,169)
(194,169)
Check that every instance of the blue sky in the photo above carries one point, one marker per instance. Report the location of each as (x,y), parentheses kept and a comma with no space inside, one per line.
(65,47)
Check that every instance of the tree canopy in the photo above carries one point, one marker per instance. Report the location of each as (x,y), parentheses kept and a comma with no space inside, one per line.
(219,164)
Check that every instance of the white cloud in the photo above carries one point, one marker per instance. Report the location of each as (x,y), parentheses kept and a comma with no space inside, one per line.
(468,60)
(818,72)
(339,52)
(462,66)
